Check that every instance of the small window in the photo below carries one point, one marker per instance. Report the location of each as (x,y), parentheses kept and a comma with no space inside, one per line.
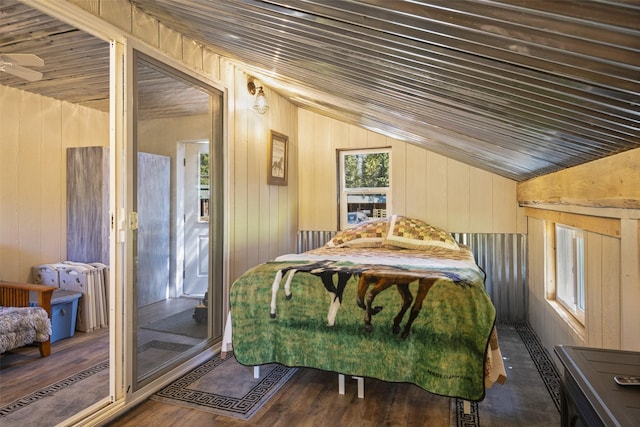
(203,187)
(570,287)
(364,185)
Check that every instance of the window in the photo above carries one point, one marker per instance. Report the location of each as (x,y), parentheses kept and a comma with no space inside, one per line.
(570,287)
(203,186)
(364,185)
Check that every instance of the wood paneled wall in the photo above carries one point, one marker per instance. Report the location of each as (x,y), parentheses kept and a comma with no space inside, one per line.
(612,251)
(262,218)
(426,185)
(34,134)
(604,323)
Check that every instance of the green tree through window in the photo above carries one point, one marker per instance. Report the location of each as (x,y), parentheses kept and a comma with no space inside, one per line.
(366,170)
(364,185)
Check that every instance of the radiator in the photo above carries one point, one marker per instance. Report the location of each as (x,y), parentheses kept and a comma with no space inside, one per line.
(503,257)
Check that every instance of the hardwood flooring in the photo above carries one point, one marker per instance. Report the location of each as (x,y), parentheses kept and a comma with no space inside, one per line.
(23,371)
(310,398)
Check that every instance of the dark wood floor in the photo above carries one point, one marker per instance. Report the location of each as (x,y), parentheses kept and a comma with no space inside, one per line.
(310,397)
(23,371)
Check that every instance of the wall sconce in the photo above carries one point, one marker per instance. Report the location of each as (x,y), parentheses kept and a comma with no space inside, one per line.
(260,105)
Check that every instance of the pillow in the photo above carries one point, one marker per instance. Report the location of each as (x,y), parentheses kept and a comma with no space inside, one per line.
(411,233)
(368,234)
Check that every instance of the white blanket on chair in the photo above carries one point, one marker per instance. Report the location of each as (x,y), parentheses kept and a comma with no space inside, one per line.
(20,326)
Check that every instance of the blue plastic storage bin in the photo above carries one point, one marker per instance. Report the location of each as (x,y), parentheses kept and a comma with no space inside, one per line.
(64,311)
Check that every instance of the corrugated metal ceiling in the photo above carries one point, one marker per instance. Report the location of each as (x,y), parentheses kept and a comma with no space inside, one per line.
(76,64)
(519,88)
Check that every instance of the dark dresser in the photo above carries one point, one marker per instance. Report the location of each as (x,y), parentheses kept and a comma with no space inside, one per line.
(589,394)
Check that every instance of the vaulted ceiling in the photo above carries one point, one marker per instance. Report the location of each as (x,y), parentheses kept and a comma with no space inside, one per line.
(515,87)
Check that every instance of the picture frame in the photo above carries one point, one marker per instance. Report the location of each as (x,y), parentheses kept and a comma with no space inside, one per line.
(278,167)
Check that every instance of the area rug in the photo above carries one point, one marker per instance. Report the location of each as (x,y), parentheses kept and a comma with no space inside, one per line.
(225,387)
(531,394)
(181,323)
(56,402)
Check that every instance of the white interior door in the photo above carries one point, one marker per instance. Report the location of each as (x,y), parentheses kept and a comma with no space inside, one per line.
(196,218)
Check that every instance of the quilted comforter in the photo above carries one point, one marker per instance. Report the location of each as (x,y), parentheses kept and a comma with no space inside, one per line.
(314,317)
(20,326)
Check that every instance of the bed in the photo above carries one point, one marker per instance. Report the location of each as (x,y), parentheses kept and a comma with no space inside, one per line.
(21,324)
(394,299)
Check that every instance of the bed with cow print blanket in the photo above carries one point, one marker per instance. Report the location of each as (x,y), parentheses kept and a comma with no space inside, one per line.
(310,310)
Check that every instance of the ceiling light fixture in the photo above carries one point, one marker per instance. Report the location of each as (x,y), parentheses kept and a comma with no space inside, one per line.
(260,104)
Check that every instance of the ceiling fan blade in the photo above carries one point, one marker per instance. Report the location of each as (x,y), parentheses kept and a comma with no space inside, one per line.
(28,59)
(22,72)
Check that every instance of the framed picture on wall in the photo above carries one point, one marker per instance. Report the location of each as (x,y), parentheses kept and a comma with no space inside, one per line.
(278,156)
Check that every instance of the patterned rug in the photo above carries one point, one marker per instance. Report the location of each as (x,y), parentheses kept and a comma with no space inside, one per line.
(531,394)
(54,403)
(225,387)
(532,390)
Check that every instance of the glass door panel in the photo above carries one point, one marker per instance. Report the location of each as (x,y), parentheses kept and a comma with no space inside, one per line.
(171,325)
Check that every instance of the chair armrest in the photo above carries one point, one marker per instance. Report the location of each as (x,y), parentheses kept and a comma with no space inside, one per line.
(17,295)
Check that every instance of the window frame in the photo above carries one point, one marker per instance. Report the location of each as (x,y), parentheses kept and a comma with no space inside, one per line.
(203,187)
(573,284)
(344,192)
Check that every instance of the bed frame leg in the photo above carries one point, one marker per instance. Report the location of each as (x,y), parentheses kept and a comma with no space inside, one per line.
(256,372)
(360,381)
(340,384)
(467,407)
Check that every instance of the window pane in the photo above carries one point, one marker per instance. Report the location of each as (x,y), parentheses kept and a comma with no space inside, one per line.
(366,170)
(570,286)
(364,185)
(362,207)
(580,272)
(564,265)
(203,191)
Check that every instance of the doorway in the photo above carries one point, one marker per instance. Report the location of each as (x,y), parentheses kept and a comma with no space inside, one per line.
(196,198)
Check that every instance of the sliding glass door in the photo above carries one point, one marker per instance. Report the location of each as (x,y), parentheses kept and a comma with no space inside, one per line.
(175,294)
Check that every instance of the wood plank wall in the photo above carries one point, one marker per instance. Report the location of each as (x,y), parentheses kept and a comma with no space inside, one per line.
(426,185)
(262,218)
(603,320)
(612,250)
(34,136)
